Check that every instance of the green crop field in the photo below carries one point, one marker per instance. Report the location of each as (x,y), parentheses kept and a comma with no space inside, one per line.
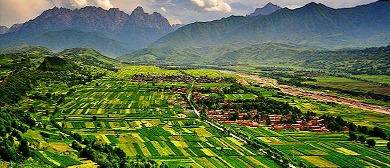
(350,85)
(375,78)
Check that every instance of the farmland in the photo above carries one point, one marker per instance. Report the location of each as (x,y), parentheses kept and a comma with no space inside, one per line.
(143,120)
(144,112)
(313,149)
(350,84)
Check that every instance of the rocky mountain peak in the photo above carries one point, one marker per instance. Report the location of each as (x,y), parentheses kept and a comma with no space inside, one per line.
(266,10)
(3,29)
(139,18)
(138,10)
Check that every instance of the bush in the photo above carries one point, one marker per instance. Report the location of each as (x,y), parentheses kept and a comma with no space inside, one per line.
(44,134)
(371,142)
(352,136)
(76,145)
(362,139)
(388,145)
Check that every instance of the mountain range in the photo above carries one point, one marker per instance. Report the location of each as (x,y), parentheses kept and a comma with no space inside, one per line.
(150,37)
(112,32)
(313,24)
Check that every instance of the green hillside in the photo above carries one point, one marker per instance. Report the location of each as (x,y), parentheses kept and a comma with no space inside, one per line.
(57,64)
(90,57)
(177,55)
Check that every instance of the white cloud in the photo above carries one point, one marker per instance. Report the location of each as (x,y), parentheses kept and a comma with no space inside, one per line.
(293,6)
(105,4)
(199,3)
(212,5)
(163,9)
(174,21)
(20,11)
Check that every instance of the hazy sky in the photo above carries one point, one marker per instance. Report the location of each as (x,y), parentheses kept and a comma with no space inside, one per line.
(177,11)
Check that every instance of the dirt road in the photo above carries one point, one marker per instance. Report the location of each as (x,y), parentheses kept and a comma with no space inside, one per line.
(312,94)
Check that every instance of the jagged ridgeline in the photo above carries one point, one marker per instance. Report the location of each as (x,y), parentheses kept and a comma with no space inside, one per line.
(314,24)
(111,32)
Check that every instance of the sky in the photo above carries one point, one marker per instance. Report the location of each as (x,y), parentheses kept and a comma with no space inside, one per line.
(176,11)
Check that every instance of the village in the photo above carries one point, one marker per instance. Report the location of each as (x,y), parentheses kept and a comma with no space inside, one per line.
(181,78)
(256,119)
(314,124)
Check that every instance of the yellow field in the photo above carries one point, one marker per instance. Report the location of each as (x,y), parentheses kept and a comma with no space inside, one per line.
(319,161)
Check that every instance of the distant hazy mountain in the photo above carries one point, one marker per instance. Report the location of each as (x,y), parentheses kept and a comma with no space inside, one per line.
(314,24)
(266,10)
(3,29)
(15,27)
(112,31)
(177,26)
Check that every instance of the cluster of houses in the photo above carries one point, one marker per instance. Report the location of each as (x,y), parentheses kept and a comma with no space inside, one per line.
(180,78)
(314,124)
(179,90)
(204,79)
(149,78)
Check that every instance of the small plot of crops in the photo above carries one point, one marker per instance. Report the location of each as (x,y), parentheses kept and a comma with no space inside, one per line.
(208,73)
(55,160)
(126,72)
(349,85)
(240,96)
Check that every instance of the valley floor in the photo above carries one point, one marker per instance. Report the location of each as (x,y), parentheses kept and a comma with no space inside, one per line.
(355,103)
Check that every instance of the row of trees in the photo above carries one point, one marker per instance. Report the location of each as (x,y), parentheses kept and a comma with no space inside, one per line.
(108,156)
(13,123)
(361,138)
(336,124)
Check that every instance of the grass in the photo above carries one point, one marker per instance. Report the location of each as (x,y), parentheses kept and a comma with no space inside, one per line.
(375,78)
(349,85)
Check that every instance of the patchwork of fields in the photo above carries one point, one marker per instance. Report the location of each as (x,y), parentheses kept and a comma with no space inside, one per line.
(138,118)
(145,120)
(323,149)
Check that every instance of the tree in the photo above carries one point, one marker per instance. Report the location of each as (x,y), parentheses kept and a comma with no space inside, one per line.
(388,145)
(94,118)
(77,137)
(3,131)
(362,138)
(234,116)
(76,145)
(352,136)
(24,148)
(8,152)
(371,142)
(268,121)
